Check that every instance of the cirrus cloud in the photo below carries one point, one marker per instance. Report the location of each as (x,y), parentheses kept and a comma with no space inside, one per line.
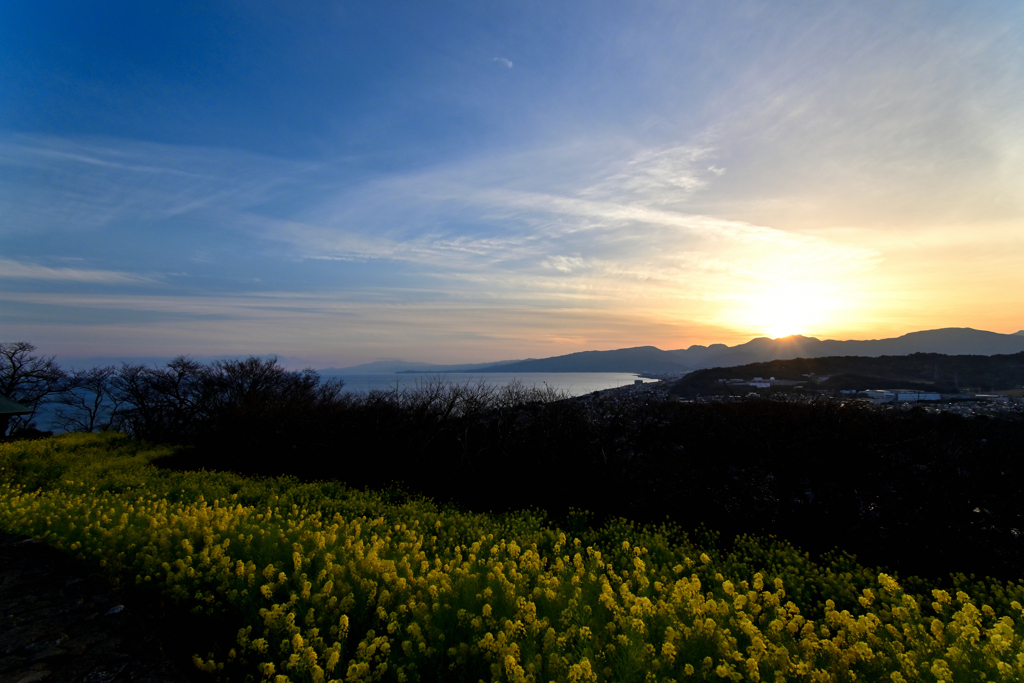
(33,271)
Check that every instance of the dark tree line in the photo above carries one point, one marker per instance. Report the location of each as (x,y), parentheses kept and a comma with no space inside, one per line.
(182,402)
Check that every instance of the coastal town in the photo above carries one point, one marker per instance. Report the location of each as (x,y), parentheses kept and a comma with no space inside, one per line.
(966,404)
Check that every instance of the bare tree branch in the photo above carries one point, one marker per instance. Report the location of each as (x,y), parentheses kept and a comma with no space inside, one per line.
(27,378)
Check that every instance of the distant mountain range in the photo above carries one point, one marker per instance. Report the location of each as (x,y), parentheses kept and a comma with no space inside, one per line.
(652,360)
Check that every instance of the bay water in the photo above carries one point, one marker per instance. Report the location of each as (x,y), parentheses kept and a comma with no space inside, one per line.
(572,383)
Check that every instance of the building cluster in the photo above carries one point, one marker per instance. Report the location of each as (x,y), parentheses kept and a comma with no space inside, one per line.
(963,404)
(762,383)
(893,396)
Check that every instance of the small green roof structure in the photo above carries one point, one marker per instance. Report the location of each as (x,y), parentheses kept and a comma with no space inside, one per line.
(10,408)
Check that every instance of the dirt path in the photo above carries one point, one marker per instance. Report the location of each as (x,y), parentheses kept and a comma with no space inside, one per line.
(60,621)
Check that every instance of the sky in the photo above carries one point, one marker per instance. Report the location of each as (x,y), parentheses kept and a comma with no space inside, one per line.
(339,182)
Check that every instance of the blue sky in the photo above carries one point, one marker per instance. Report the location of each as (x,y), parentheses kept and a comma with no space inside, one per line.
(339,182)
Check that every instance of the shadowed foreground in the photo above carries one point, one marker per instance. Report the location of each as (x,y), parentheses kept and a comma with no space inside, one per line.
(61,621)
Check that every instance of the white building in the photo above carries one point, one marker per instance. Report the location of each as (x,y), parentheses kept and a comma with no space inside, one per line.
(900,395)
(915,396)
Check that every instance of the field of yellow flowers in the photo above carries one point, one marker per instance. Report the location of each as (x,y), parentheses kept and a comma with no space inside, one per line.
(321,582)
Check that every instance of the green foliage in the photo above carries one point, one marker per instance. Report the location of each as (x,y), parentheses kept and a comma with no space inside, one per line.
(319,581)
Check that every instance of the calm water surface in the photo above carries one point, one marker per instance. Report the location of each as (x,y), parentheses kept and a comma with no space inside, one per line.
(574,383)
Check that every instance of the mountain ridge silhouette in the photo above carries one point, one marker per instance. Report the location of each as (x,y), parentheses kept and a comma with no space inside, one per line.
(652,360)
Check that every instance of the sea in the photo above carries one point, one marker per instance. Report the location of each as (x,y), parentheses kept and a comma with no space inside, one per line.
(572,383)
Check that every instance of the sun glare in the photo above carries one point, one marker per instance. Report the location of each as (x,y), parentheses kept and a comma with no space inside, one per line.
(785,310)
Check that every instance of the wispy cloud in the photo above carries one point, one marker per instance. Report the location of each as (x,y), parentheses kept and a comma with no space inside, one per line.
(659,175)
(330,329)
(495,214)
(563,264)
(59,184)
(33,271)
(505,62)
(525,229)
(623,235)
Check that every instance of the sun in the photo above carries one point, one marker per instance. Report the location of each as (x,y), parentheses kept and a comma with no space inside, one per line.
(787,309)
(785,328)
(783,316)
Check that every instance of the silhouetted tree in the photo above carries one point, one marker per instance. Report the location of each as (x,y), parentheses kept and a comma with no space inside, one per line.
(88,401)
(234,405)
(256,402)
(163,404)
(27,378)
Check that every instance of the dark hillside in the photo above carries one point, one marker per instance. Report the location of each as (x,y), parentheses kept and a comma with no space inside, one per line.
(950,341)
(932,371)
